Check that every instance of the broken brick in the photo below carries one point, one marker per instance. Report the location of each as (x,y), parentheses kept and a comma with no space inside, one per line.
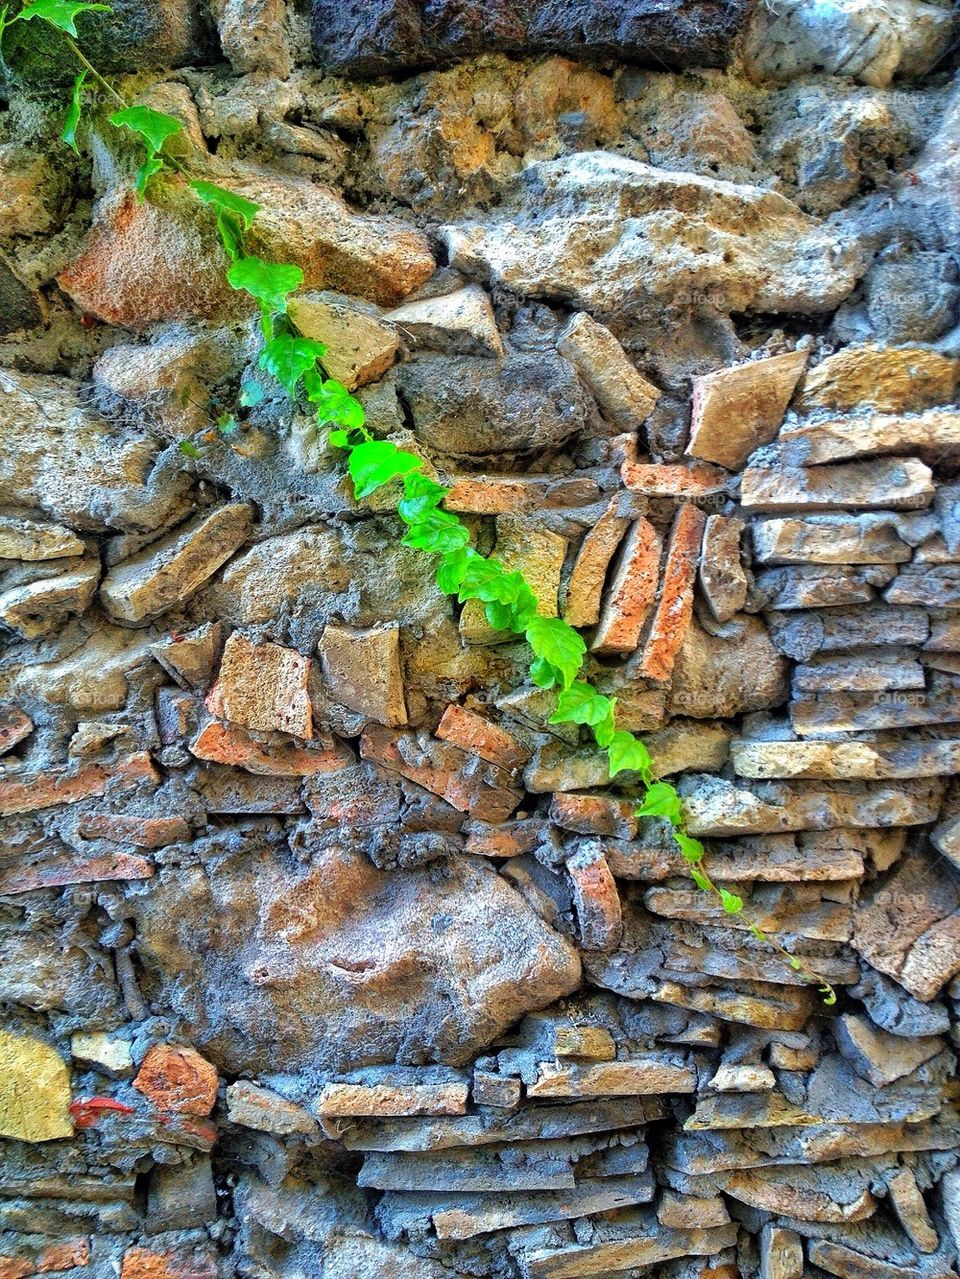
(145,832)
(504,494)
(227,744)
(594,814)
(582,599)
(675,605)
(596,900)
(478,736)
(263,687)
(657,479)
(179,1263)
(177,1079)
(26,793)
(54,872)
(631,592)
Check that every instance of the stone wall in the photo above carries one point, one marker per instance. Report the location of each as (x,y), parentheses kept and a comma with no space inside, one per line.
(322,953)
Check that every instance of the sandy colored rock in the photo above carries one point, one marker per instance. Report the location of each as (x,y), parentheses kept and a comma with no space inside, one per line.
(887,379)
(461,323)
(844,760)
(539,555)
(168,572)
(631,592)
(881,1057)
(581,603)
(39,607)
(24,538)
(674,609)
(728,673)
(901,484)
(830,539)
(652,1074)
(936,430)
(359,348)
(624,395)
(347,1099)
(721,574)
(177,1078)
(363,670)
(695,481)
(502,494)
(34,1090)
(254,1107)
(190,657)
(263,687)
(736,410)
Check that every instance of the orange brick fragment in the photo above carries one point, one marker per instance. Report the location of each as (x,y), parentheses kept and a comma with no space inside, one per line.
(25,793)
(596,900)
(145,832)
(675,606)
(263,687)
(145,1263)
(582,602)
(473,733)
(631,592)
(178,1079)
(697,480)
(57,871)
(594,814)
(65,1255)
(14,727)
(227,744)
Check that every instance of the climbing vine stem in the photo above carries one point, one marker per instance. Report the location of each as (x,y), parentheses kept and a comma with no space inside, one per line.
(296,362)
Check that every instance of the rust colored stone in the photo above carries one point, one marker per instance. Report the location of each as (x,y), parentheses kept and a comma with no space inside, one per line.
(178,1079)
(146,1263)
(594,814)
(596,900)
(58,871)
(145,832)
(478,736)
(675,606)
(631,592)
(698,480)
(33,791)
(263,687)
(503,494)
(227,744)
(582,601)
(14,727)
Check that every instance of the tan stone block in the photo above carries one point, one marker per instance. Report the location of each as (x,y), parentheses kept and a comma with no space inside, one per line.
(909,1206)
(459,323)
(178,1079)
(345,1099)
(722,578)
(633,1077)
(34,1090)
(631,592)
(535,552)
(363,671)
(262,687)
(738,409)
(581,606)
(593,1042)
(519,494)
(625,396)
(889,379)
(810,443)
(690,1212)
(360,348)
(903,484)
(36,608)
(254,1107)
(145,832)
(24,538)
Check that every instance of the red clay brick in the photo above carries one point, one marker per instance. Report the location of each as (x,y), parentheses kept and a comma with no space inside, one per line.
(506,839)
(594,814)
(145,1263)
(502,494)
(178,1079)
(227,744)
(473,733)
(631,592)
(596,900)
(55,872)
(65,1255)
(145,832)
(28,792)
(675,606)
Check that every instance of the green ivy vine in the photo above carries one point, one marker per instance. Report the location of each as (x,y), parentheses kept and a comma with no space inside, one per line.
(296,363)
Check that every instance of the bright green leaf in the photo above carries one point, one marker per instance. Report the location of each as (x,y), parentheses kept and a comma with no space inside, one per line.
(700,879)
(581,703)
(628,754)
(333,402)
(226,201)
(451,569)
(732,904)
(829,994)
(251,393)
(72,119)
(691,849)
(556,642)
(661,800)
(377,462)
(420,496)
(438,532)
(269,283)
(188,448)
(288,357)
(544,674)
(59,13)
(153,126)
(151,165)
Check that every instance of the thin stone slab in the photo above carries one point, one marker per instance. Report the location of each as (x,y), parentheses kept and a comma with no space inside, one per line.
(829,539)
(902,484)
(844,760)
(809,443)
(627,1078)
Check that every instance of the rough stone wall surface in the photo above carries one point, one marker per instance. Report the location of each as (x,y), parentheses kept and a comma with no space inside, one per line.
(322,953)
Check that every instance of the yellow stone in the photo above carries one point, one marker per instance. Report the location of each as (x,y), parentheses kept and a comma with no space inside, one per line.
(34,1090)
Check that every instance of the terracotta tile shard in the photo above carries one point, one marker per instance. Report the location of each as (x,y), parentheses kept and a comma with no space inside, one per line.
(505,839)
(626,397)
(594,815)
(363,671)
(595,900)
(900,483)
(69,1254)
(652,479)
(177,1079)
(474,733)
(722,578)
(169,571)
(227,744)
(145,1263)
(145,832)
(503,494)
(15,726)
(25,793)
(675,606)
(483,790)
(387,1100)
(55,872)
(736,410)
(631,592)
(254,1107)
(582,600)
(263,687)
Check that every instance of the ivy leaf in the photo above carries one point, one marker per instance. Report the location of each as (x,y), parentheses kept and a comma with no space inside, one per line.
(151,165)
(732,904)
(288,357)
(268,282)
(72,119)
(153,126)
(333,401)
(628,754)
(438,531)
(544,674)
(59,13)
(700,879)
(420,496)
(829,994)
(225,201)
(451,569)
(692,850)
(251,393)
(582,704)
(484,580)
(377,462)
(188,448)
(661,800)
(556,642)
